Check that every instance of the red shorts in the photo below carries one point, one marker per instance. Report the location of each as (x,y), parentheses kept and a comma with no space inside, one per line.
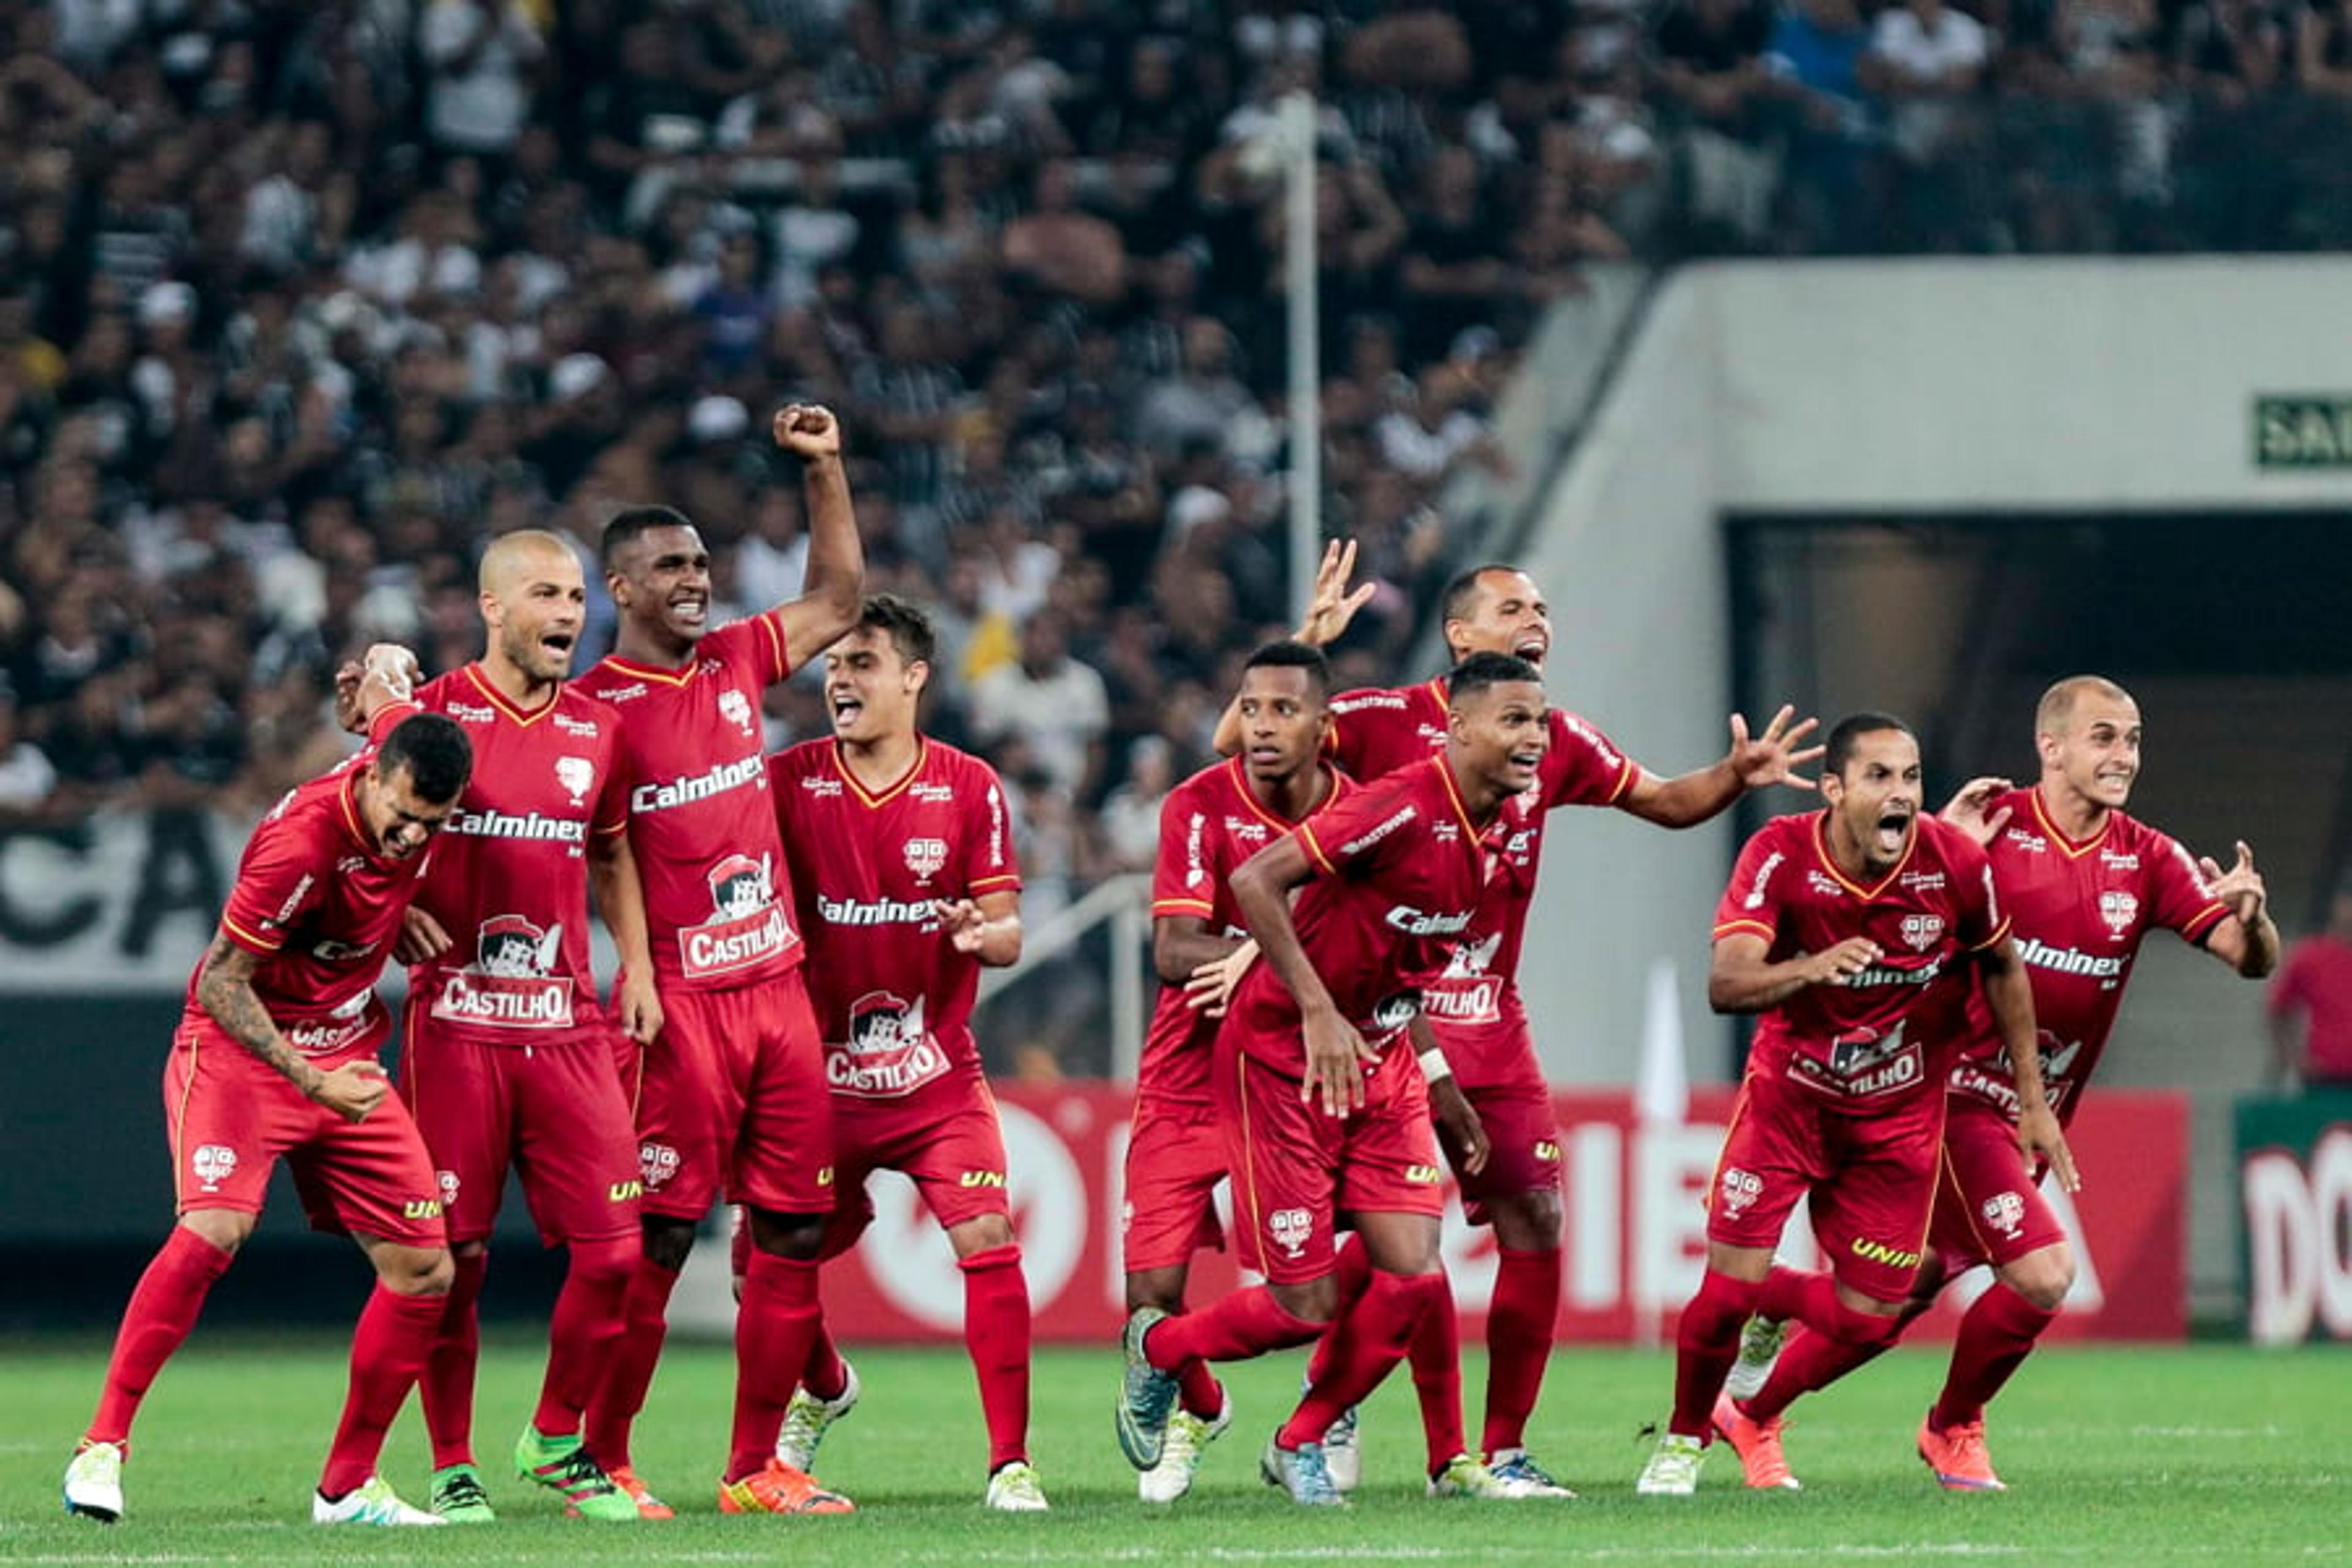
(947,1140)
(731,1096)
(1870,1179)
(1523,1139)
(231,1117)
(1175,1158)
(1296,1169)
(553,1111)
(1987,1206)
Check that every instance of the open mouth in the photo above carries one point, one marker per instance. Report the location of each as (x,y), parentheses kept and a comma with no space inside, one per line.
(1528,761)
(692,611)
(845,710)
(1894,826)
(560,643)
(1533,647)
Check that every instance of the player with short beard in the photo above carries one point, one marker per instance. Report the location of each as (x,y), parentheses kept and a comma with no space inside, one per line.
(731,1094)
(904,872)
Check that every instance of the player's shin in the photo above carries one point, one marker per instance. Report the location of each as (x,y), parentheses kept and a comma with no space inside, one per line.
(1435,1353)
(161,1312)
(1706,1345)
(584,1331)
(1995,1338)
(996,1333)
(1366,1342)
(388,1348)
(620,1392)
(772,1328)
(446,1389)
(1519,1327)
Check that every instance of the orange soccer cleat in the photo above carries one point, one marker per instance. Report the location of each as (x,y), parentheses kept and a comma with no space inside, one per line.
(779,1489)
(1958,1456)
(1757,1444)
(637,1492)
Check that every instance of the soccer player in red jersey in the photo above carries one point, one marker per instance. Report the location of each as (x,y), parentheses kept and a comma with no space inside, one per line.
(509,1060)
(1834,927)
(907,886)
(2082,883)
(274,1057)
(1209,825)
(1321,1111)
(732,1092)
(1475,1009)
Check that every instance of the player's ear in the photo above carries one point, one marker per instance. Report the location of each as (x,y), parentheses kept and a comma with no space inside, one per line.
(918,675)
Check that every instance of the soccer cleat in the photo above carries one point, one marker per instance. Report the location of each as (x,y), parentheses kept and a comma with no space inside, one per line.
(1757,1444)
(1760,1347)
(1300,1472)
(1180,1455)
(1146,1395)
(807,1419)
(458,1497)
(1467,1478)
(94,1481)
(779,1489)
(1958,1456)
(1673,1470)
(373,1501)
(563,1465)
(1015,1488)
(1342,1455)
(1517,1464)
(641,1496)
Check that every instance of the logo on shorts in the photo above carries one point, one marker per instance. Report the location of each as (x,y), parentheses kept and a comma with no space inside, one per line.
(625,1191)
(925,857)
(657,1162)
(1738,1189)
(2005,1212)
(1422,1175)
(1879,1252)
(1291,1229)
(1922,931)
(1547,1152)
(736,708)
(980,1179)
(448,1181)
(421,1208)
(214,1163)
(575,774)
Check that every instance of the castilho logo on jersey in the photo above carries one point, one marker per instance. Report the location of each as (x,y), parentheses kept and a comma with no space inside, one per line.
(1467,993)
(746,926)
(890,1051)
(513,983)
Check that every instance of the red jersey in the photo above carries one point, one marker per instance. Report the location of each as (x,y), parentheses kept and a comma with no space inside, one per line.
(510,883)
(2317,979)
(1208,825)
(2079,912)
(1474,1007)
(893,996)
(321,906)
(718,896)
(1852,1040)
(1402,868)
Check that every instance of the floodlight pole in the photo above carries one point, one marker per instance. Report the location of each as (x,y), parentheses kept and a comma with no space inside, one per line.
(1301,271)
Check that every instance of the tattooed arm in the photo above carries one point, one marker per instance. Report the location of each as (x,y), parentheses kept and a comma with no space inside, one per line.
(225,991)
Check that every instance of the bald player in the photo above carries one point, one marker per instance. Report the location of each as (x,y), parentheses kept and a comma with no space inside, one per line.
(510,1060)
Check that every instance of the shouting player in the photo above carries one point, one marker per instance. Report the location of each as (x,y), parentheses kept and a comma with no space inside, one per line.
(732,1092)
(904,871)
(1835,925)
(274,1057)
(2082,883)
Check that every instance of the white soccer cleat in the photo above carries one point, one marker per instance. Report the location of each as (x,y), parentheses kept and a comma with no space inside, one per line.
(1464,1477)
(1673,1470)
(1342,1456)
(808,1418)
(371,1502)
(1181,1453)
(1517,1464)
(94,1482)
(1759,1348)
(1015,1488)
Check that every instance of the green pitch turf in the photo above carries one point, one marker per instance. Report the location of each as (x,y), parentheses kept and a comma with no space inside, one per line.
(2137,1457)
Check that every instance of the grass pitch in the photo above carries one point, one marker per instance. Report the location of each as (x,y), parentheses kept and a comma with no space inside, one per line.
(2214,1455)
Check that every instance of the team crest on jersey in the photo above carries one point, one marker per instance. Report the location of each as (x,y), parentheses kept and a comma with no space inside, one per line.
(1922,931)
(513,983)
(746,926)
(2119,909)
(1291,1230)
(736,708)
(575,774)
(656,1163)
(890,1051)
(1738,1190)
(2005,1212)
(213,1163)
(925,857)
(447,1181)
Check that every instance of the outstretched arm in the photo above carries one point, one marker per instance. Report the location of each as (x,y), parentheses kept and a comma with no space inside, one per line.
(1752,762)
(1332,605)
(833,586)
(2248,940)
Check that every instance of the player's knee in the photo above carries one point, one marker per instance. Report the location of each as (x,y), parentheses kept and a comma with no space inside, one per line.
(799,1236)
(1310,1302)
(985,1234)
(667,1241)
(1859,1327)
(2043,1277)
(415,1271)
(1161,1288)
(1529,1222)
(224,1228)
(604,1264)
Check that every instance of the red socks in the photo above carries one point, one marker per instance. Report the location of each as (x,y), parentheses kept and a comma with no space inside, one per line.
(1705,1344)
(1246,1323)
(826,1376)
(388,1348)
(996,1333)
(1995,1337)
(1808,1360)
(161,1310)
(1364,1347)
(644,1323)
(446,1389)
(777,1318)
(1520,1322)
(1436,1353)
(586,1325)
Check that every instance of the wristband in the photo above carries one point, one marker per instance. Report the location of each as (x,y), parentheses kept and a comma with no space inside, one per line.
(1433,1065)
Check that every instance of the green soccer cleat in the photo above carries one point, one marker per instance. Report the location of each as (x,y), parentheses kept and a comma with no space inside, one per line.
(458,1497)
(1145,1396)
(563,1465)
(1015,1488)
(1464,1477)
(1673,1470)
(1759,1348)
(807,1419)
(373,1501)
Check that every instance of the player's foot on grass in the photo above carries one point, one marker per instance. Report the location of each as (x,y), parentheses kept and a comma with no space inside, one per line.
(1301,1472)
(1015,1488)
(1146,1395)
(1179,1455)
(808,1417)
(458,1497)
(640,1495)
(1672,1470)
(779,1489)
(373,1501)
(1518,1465)
(1760,1347)
(563,1465)
(1464,1477)
(1958,1456)
(1757,1444)
(94,1481)
(1342,1455)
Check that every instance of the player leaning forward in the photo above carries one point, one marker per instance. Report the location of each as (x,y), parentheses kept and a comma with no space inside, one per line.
(274,1057)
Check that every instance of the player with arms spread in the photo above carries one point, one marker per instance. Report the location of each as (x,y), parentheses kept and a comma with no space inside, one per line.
(274,1057)
(907,884)
(732,1091)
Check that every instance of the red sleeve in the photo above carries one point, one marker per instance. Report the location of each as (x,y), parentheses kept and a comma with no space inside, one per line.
(757,642)
(1981,922)
(1584,767)
(1370,829)
(281,877)
(611,815)
(988,832)
(2177,897)
(2291,989)
(1182,877)
(389,718)
(1750,905)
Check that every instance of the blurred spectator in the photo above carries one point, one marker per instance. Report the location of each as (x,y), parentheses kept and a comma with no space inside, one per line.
(1711,67)
(2311,1005)
(1054,705)
(477,56)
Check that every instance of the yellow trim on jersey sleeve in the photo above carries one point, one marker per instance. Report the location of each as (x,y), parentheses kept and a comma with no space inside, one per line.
(1756,928)
(245,938)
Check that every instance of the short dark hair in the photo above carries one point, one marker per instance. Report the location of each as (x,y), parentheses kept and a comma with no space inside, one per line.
(1481,670)
(433,751)
(1852,728)
(1454,601)
(905,623)
(631,524)
(1292,654)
